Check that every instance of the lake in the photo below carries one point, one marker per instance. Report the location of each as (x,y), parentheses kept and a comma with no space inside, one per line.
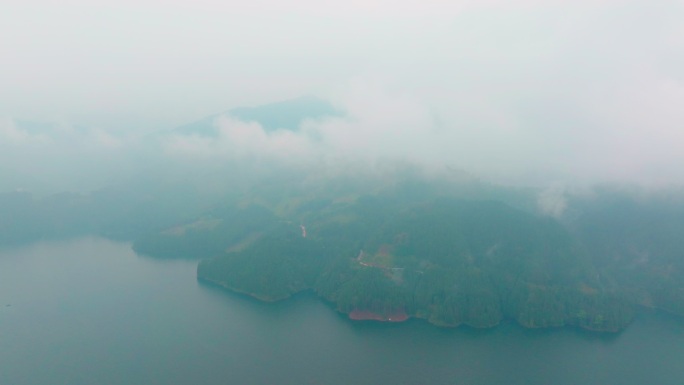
(91,311)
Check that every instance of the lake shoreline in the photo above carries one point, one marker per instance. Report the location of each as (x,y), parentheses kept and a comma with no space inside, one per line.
(359,315)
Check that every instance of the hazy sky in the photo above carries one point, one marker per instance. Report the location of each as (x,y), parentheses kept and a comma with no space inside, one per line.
(538,91)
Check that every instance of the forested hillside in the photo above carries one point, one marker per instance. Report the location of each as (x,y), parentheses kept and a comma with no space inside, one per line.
(450,261)
(449,251)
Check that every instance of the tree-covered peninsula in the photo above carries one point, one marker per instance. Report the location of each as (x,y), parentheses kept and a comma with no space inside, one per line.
(472,258)
(448,261)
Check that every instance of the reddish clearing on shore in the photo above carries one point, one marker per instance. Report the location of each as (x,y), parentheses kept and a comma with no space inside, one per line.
(364,315)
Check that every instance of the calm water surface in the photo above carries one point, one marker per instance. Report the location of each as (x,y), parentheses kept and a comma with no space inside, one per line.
(90,311)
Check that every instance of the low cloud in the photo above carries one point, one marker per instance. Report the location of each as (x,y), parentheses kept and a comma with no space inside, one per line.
(625,138)
(11,135)
(553,201)
(237,140)
(378,127)
(53,157)
(531,93)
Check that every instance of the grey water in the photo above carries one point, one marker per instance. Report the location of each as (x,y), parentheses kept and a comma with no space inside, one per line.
(91,311)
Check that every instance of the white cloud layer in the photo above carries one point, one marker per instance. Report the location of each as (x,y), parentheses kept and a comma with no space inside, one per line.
(525,92)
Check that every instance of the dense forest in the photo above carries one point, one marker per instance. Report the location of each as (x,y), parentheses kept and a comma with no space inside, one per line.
(452,252)
(450,261)
(466,253)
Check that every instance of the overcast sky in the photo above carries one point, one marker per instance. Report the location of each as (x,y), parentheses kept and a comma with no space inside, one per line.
(534,91)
